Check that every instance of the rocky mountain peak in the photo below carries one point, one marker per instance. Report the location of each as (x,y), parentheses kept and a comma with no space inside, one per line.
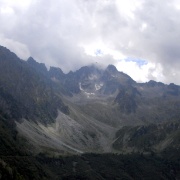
(111,68)
(31,60)
(56,72)
(173,89)
(7,55)
(86,71)
(37,66)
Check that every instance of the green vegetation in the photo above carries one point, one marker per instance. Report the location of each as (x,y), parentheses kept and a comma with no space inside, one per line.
(94,166)
(148,138)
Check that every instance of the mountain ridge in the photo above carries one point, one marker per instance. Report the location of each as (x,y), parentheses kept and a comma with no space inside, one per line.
(81,110)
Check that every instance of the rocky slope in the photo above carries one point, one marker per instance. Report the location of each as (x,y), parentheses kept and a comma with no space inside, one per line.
(148,138)
(89,110)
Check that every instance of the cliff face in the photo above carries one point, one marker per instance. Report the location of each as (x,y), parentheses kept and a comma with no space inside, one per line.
(26,91)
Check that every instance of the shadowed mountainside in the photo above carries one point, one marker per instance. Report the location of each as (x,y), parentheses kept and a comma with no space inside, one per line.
(82,111)
(46,113)
(25,91)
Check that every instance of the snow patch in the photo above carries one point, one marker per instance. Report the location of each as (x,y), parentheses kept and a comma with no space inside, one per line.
(114,76)
(98,86)
(88,94)
(80,87)
(93,77)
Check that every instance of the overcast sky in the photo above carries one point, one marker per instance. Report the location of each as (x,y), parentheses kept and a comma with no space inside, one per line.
(140,37)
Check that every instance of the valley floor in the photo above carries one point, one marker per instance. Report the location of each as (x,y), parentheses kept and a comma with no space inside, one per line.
(89,167)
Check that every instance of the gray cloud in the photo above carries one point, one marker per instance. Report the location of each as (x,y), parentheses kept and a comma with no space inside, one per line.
(55,32)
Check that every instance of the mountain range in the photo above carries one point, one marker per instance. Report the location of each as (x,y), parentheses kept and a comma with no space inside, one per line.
(91,110)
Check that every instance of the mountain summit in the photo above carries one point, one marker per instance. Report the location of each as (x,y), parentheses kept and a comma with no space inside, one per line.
(111,68)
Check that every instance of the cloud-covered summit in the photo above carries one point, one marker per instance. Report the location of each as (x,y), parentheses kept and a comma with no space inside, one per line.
(70,34)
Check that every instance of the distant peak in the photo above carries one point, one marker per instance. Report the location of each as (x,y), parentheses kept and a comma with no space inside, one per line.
(30,59)
(56,72)
(7,52)
(36,65)
(111,68)
(88,69)
(55,69)
(153,83)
